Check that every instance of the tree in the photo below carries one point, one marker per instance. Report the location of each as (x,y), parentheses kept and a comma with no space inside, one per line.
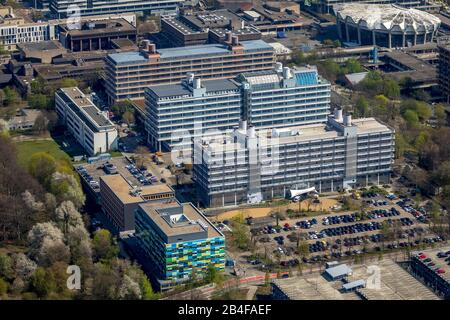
(3,287)
(40,124)
(362,107)
(303,248)
(240,235)
(39,101)
(80,246)
(103,245)
(6,267)
(68,216)
(46,243)
(411,117)
(24,267)
(421,139)
(42,283)
(11,96)
(440,114)
(213,275)
(66,188)
(128,117)
(15,218)
(129,289)
(147,290)
(68,82)
(352,65)
(391,89)
(42,166)
(141,152)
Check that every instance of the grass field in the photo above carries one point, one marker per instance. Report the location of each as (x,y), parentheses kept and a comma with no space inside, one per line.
(25,149)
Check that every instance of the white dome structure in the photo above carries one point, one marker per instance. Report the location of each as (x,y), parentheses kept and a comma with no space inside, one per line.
(385,25)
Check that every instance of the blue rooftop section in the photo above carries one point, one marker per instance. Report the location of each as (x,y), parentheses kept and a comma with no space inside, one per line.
(202,50)
(127,57)
(308,78)
(186,52)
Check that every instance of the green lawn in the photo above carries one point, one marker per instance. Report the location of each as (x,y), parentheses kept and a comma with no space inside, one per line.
(25,149)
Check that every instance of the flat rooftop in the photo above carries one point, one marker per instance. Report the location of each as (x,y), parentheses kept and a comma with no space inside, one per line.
(41,46)
(81,102)
(98,27)
(415,68)
(178,90)
(313,287)
(122,188)
(188,210)
(308,132)
(396,283)
(188,52)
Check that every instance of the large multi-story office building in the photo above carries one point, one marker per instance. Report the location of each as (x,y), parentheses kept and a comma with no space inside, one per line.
(89,126)
(283,97)
(67,8)
(129,73)
(178,113)
(249,167)
(178,240)
(120,199)
(96,35)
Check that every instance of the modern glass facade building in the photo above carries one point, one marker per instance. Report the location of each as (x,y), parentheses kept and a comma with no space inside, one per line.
(178,240)
(279,98)
(129,73)
(260,165)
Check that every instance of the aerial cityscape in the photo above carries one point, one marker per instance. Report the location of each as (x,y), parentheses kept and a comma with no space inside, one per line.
(233,150)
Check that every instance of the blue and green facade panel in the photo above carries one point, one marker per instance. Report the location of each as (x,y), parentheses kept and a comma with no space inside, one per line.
(174,261)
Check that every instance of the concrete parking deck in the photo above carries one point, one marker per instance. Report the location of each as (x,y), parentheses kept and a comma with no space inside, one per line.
(395,283)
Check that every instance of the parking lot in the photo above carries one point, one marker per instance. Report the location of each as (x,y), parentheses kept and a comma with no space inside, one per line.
(91,173)
(388,223)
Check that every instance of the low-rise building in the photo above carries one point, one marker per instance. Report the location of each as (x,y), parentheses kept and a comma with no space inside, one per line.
(89,126)
(119,199)
(206,27)
(249,166)
(179,241)
(24,119)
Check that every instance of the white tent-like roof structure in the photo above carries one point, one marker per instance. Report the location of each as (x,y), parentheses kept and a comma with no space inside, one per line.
(387,16)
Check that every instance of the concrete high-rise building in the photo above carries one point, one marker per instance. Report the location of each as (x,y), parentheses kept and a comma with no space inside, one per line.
(283,97)
(67,8)
(129,73)
(249,166)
